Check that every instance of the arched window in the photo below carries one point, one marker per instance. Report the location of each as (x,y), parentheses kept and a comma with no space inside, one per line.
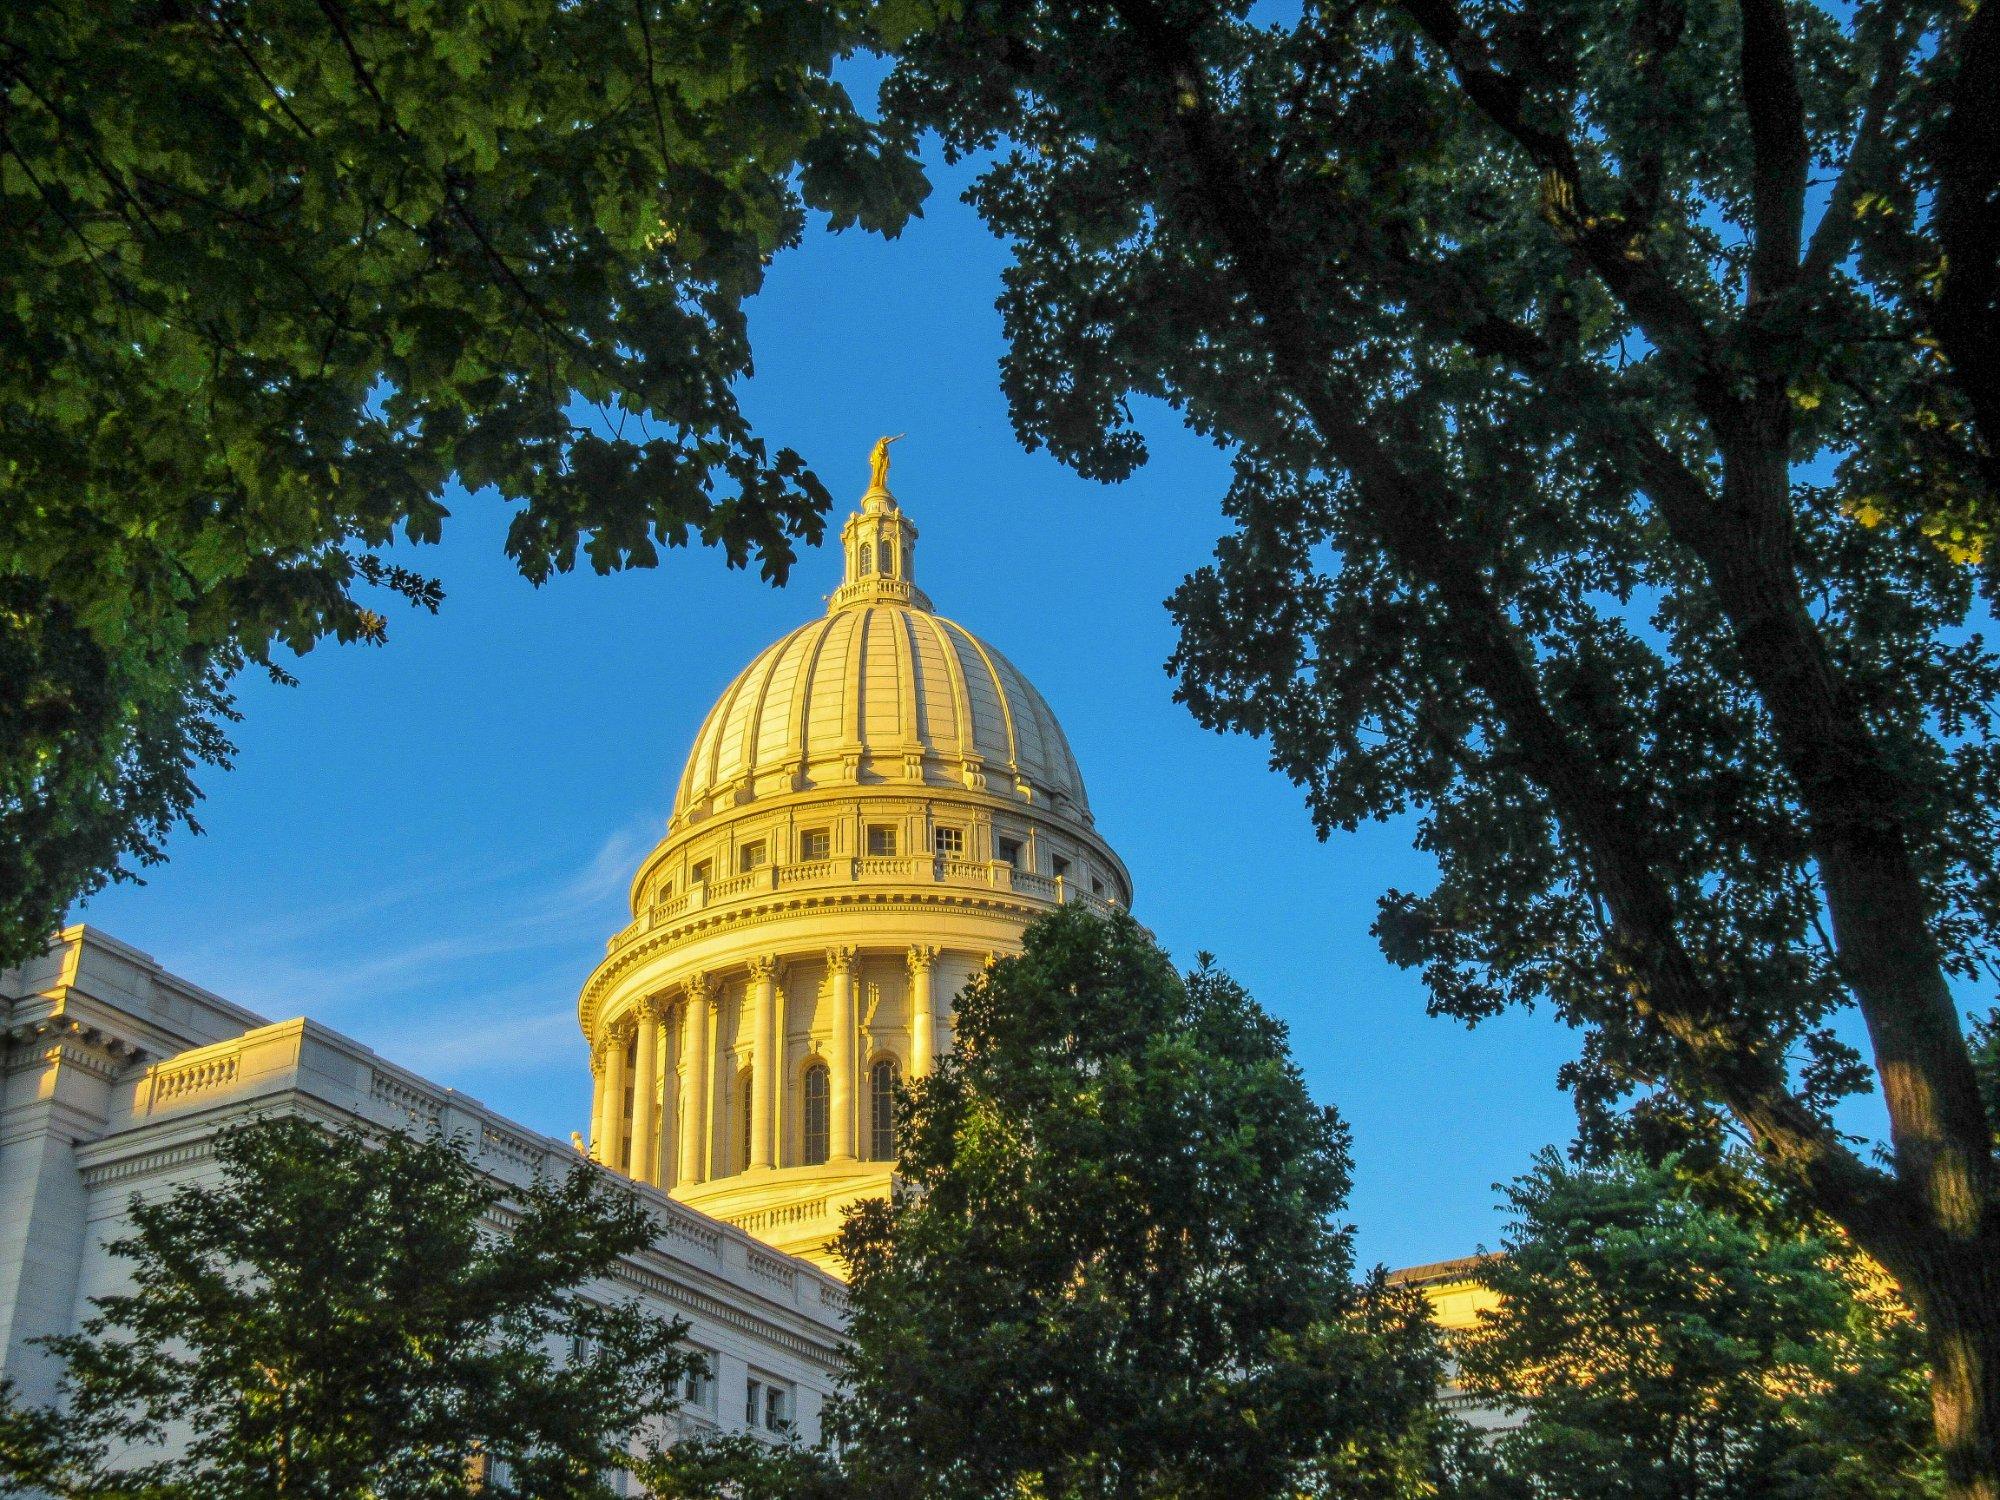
(817,1090)
(886,564)
(867,559)
(882,1110)
(743,1113)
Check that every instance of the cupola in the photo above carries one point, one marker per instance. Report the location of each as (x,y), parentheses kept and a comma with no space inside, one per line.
(880,546)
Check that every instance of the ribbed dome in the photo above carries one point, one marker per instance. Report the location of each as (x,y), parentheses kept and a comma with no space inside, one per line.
(879,691)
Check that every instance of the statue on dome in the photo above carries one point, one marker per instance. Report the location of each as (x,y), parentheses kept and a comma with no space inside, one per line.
(878,461)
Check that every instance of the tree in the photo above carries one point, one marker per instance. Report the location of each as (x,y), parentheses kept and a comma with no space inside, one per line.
(1653,1345)
(1605,488)
(276,270)
(1110,1266)
(341,1316)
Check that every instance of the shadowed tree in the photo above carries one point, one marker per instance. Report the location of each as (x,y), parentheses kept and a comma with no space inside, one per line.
(1111,1266)
(1650,1344)
(1604,383)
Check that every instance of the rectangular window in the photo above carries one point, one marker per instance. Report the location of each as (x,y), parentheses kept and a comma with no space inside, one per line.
(1008,852)
(753,1402)
(750,856)
(699,875)
(698,1385)
(881,839)
(1058,866)
(775,1415)
(1096,886)
(815,843)
(949,843)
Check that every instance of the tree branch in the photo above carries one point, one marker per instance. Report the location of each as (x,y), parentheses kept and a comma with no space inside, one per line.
(1834,235)
(1779,156)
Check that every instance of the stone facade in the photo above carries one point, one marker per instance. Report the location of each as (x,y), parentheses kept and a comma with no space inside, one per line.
(119,1076)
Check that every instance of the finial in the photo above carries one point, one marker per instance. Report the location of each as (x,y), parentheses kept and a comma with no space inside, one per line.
(880,544)
(878,462)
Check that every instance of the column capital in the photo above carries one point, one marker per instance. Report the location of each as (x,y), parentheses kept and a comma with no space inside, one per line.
(921,956)
(763,967)
(840,960)
(699,987)
(652,1008)
(622,1030)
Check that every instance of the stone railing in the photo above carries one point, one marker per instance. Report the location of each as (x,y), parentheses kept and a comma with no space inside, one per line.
(768,1219)
(905,869)
(172,1083)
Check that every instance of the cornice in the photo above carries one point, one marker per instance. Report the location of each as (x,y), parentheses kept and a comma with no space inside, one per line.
(61,1038)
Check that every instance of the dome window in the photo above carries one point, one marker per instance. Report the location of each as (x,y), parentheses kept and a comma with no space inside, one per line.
(881,839)
(867,559)
(882,1110)
(815,843)
(1008,852)
(699,874)
(750,856)
(816,1112)
(949,843)
(886,558)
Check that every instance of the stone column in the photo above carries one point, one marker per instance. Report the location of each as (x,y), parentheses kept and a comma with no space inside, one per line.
(840,1101)
(923,1012)
(666,1146)
(646,1095)
(694,1060)
(763,1064)
(600,1103)
(612,1152)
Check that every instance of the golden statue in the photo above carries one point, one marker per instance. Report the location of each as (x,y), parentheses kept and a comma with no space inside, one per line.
(878,462)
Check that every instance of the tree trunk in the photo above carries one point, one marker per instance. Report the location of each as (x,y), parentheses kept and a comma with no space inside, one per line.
(1955,1290)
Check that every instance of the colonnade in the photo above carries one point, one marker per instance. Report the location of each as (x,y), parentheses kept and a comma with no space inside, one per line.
(636,1102)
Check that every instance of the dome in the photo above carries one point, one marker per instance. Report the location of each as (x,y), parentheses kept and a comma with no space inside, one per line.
(881,690)
(874,693)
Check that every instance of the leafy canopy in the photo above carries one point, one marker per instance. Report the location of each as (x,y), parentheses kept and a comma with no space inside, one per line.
(1650,1344)
(340,1316)
(1609,388)
(277,270)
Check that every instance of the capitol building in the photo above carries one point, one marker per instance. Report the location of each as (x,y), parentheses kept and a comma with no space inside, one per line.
(875,808)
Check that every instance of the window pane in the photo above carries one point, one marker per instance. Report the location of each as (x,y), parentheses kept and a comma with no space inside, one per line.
(750,856)
(881,839)
(949,842)
(816,1092)
(882,1111)
(815,844)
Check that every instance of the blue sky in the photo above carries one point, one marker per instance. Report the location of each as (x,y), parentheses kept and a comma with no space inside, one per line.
(426,845)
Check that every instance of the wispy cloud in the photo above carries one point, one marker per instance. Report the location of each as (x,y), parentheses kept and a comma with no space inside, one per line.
(428,944)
